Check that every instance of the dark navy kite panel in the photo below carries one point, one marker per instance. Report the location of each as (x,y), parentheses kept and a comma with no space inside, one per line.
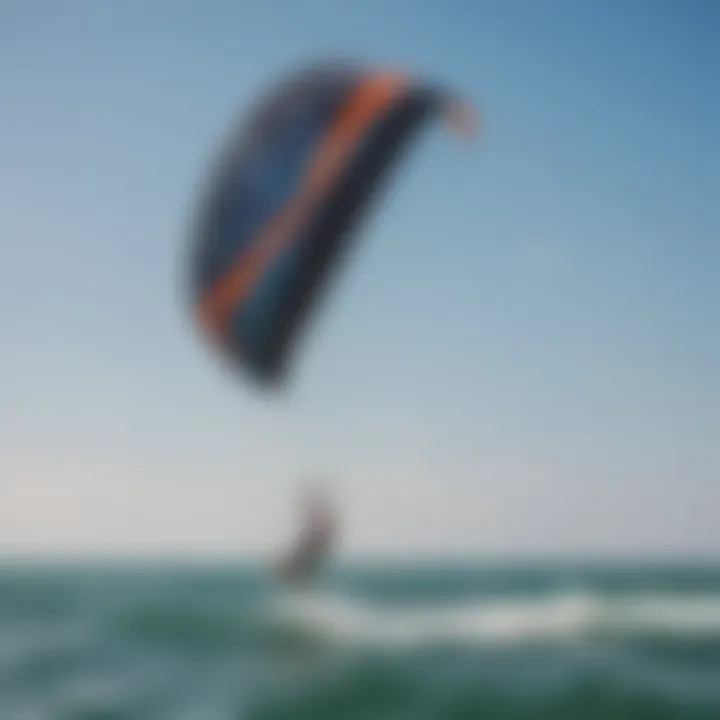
(286,194)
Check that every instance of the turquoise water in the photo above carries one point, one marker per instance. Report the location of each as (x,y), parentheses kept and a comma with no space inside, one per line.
(492,641)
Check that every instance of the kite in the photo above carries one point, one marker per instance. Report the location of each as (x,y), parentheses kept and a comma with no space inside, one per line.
(286,195)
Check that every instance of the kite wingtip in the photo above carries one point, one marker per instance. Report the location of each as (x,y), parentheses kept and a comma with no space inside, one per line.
(463,119)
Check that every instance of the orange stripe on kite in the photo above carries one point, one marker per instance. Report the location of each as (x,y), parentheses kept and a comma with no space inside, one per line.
(370,99)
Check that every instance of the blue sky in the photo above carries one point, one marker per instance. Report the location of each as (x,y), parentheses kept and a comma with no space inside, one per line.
(523,355)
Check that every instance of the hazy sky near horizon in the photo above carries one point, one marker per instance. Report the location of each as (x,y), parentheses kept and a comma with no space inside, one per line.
(524,354)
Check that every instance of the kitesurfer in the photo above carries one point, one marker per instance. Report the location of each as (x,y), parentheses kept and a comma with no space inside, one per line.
(314,542)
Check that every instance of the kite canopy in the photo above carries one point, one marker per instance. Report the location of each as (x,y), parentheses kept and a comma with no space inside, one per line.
(289,188)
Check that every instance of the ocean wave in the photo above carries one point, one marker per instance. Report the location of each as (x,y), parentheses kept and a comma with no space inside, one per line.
(558,618)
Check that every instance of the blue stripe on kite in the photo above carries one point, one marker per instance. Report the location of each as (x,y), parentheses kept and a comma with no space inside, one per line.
(254,318)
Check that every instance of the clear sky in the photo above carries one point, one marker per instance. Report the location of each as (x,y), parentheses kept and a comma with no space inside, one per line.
(523,356)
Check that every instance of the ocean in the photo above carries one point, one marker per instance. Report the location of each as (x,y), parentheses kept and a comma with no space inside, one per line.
(457,642)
